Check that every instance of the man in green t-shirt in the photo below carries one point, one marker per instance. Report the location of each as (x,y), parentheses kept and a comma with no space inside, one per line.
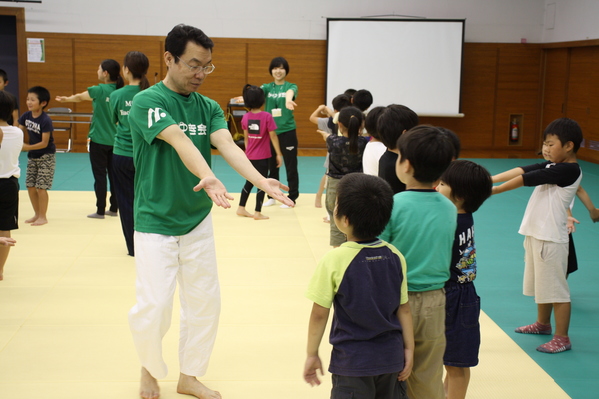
(172,128)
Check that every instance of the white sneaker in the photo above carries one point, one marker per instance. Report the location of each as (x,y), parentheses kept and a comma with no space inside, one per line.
(270,202)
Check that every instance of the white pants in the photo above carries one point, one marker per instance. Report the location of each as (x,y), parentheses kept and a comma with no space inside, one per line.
(162,261)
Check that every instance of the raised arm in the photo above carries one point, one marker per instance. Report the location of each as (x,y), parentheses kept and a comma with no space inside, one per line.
(507,175)
(75,98)
(235,157)
(289,103)
(584,197)
(195,162)
(317,114)
(512,184)
(318,323)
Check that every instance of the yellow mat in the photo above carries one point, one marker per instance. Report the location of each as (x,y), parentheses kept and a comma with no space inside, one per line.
(68,286)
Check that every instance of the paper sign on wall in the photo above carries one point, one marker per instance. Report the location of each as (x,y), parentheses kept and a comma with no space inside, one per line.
(36,50)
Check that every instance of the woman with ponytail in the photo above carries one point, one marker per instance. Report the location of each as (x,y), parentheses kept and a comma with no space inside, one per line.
(101,133)
(135,68)
(345,156)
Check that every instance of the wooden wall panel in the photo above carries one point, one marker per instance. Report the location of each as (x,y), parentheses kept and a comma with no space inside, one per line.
(518,92)
(555,85)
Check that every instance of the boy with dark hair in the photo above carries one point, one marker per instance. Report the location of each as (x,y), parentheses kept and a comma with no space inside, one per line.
(365,279)
(41,160)
(11,141)
(392,122)
(362,99)
(14,116)
(422,227)
(556,181)
(467,185)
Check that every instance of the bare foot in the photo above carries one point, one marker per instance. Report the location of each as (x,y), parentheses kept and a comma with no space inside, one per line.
(242,212)
(148,386)
(31,220)
(189,385)
(318,202)
(260,216)
(40,221)
(326,219)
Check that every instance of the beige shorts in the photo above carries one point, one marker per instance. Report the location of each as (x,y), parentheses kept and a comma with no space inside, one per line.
(545,266)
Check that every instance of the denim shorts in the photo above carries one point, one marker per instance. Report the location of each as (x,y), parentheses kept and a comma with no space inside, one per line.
(462,330)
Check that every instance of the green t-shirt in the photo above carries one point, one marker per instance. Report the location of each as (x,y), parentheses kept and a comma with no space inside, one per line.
(120,105)
(165,202)
(102,129)
(275,99)
(422,227)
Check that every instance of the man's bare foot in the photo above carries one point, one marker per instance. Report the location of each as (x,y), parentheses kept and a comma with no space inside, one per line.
(318,202)
(40,221)
(148,386)
(260,216)
(189,385)
(31,220)
(242,212)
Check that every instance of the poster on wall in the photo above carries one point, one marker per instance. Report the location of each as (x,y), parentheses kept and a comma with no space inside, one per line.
(36,50)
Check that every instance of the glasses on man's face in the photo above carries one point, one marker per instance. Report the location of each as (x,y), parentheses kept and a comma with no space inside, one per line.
(208,69)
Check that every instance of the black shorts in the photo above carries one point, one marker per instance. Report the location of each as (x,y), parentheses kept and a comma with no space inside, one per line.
(383,386)
(9,204)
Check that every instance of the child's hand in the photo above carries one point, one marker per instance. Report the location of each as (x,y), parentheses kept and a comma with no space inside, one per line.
(570,224)
(279,161)
(7,241)
(595,215)
(409,362)
(313,364)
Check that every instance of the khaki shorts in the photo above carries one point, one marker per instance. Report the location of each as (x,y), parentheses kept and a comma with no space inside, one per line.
(545,266)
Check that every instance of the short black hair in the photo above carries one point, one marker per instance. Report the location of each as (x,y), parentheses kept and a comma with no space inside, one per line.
(469,182)
(42,94)
(177,39)
(455,140)
(341,101)
(362,99)
(371,120)
(366,201)
(279,62)
(7,106)
(253,96)
(349,92)
(3,75)
(565,129)
(393,121)
(429,151)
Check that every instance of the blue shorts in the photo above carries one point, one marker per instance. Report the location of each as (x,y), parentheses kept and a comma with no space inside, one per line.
(462,330)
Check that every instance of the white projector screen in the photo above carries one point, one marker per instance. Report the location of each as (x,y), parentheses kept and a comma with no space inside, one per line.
(416,63)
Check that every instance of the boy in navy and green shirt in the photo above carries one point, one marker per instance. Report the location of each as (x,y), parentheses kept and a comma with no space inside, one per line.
(365,279)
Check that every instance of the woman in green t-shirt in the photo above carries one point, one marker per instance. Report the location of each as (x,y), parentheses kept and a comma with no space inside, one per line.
(135,68)
(101,133)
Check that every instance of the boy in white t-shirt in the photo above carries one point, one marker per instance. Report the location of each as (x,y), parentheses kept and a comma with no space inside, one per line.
(544,226)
